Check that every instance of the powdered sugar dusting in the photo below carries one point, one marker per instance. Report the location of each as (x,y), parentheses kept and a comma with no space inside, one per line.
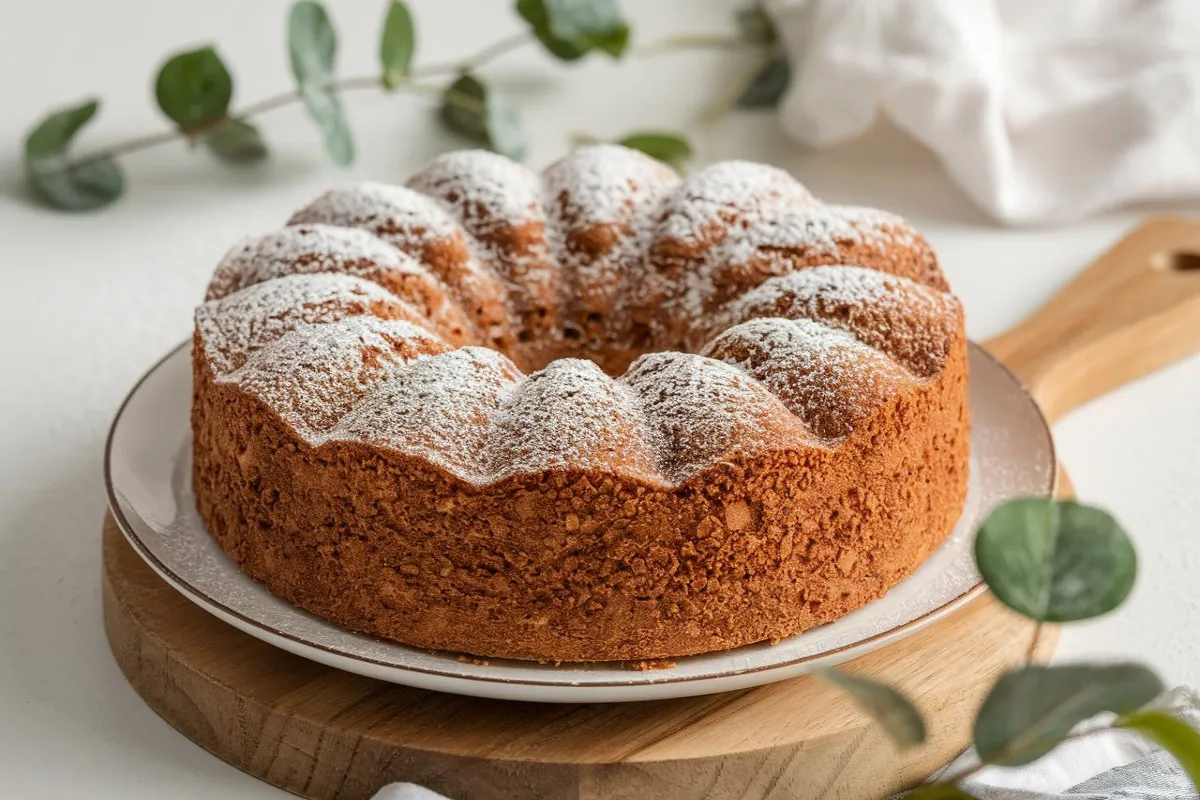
(910,322)
(571,415)
(704,412)
(438,409)
(479,183)
(598,185)
(827,377)
(398,215)
(806,350)
(234,327)
(723,193)
(602,202)
(732,225)
(420,227)
(316,373)
(499,204)
(305,249)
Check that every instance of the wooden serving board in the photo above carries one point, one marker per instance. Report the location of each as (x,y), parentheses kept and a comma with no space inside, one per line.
(322,733)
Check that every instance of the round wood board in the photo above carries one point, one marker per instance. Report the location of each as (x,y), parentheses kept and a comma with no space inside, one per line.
(322,733)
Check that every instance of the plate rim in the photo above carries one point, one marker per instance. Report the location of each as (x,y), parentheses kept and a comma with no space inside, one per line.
(204,601)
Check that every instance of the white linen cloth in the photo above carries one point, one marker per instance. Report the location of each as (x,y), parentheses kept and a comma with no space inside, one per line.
(1116,764)
(1041,110)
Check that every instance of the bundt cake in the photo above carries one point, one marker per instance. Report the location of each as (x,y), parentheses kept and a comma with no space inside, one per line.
(596,413)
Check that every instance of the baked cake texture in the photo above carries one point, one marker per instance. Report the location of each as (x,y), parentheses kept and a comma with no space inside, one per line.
(595,413)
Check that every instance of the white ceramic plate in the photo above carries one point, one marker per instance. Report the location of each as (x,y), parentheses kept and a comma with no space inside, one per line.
(148,475)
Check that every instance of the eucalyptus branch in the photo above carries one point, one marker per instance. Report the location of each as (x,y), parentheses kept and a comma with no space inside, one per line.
(283,99)
(194,90)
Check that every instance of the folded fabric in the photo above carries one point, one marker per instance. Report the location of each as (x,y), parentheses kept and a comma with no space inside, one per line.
(1112,764)
(1039,110)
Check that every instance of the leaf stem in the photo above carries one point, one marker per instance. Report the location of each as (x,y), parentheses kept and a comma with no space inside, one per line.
(693,42)
(1033,643)
(489,53)
(1006,754)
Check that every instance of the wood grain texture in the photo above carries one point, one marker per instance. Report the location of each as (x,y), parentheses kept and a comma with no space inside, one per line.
(322,733)
(1135,310)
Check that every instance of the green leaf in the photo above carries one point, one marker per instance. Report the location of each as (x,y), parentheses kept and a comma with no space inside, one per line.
(398,44)
(85,186)
(67,186)
(615,42)
(1056,561)
(767,86)
(670,148)
(53,134)
(236,142)
(1030,709)
(312,45)
(755,25)
(570,29)
(484,116)
(193,88)
(938,791)
(892,710)
(1170,733)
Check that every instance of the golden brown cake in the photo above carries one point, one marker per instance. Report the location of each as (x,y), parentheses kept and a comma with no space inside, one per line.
(595,413)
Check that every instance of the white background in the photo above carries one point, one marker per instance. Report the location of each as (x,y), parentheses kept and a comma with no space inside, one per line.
(90,301)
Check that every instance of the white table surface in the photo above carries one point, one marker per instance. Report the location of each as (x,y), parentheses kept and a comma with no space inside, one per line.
(90,301)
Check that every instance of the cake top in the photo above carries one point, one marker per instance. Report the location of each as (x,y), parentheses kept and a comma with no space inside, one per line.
(765,319)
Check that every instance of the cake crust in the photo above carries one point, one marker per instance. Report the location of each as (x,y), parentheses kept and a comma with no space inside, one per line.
(807,454)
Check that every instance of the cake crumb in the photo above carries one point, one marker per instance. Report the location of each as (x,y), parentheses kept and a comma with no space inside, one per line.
(479,662)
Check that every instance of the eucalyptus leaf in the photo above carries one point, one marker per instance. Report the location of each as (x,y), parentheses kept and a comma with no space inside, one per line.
(398,45)
(54,179)
(767,86)
(1170,733)
(1030,709)
(193,88)
(670,148)
(87,185)
(1055,561)
(236,142)
(939,791)
(484,116)
(53,135)
(887,706)
(570,29)
(312,45)
(755,25)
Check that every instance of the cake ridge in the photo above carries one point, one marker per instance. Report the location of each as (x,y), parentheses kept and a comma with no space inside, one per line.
(909,322)
(316,373)
(826,376)
(233,327)
(411,412)
(418,225)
